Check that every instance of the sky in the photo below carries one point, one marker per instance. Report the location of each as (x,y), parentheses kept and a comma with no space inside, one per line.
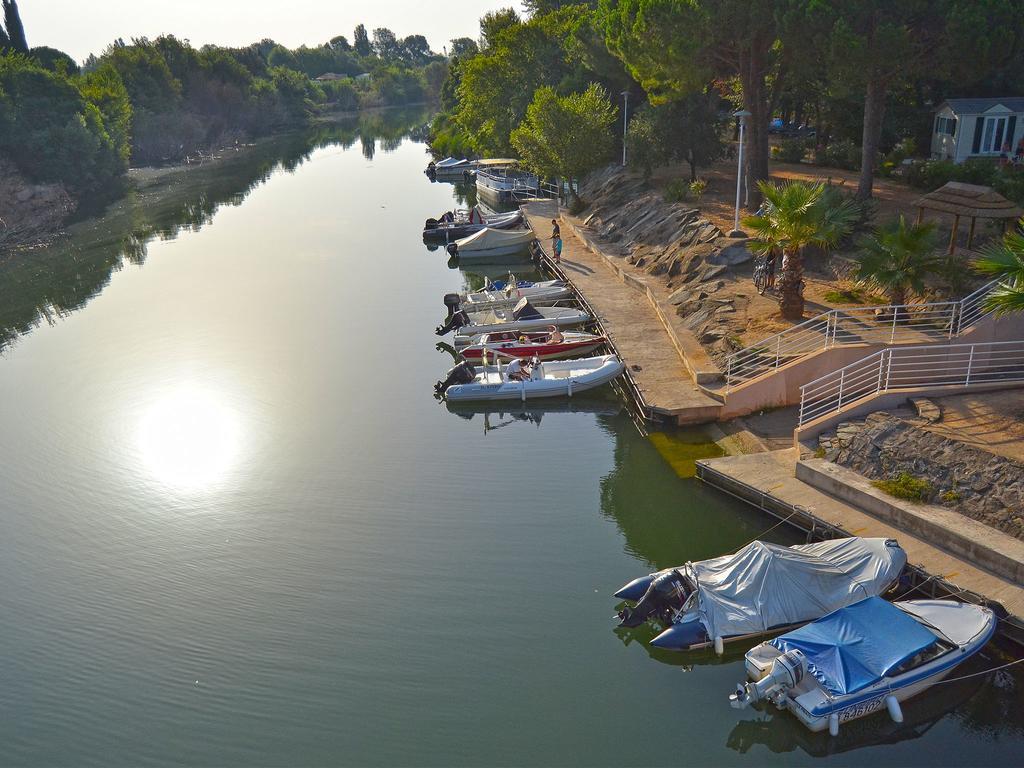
(81,27)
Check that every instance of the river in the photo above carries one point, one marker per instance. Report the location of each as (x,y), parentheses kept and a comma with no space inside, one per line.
(239,530)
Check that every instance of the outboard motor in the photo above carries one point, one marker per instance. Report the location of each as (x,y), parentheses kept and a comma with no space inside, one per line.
(453,322)
(787,671)
(666,595)
(463,373)
(452,301)
(430,224)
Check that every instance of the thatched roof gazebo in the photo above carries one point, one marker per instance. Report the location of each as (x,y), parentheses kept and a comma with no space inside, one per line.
(969,200)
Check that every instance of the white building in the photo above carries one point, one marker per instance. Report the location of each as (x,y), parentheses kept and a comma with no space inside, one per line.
(966,128)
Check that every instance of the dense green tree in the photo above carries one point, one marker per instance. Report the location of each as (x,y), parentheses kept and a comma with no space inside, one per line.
(796,215)
(898,259)
(688,130)
(674,47)
(104,88)
(340,43)
(361,41)
(143,69)
(415,51)
(497,85)
(566,136)
(385,45)
(52,132)
(463,46)
(15,29)
(493,23)
(1005,262)
(54,60)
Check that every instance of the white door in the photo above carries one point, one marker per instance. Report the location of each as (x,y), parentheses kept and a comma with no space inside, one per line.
(994,135)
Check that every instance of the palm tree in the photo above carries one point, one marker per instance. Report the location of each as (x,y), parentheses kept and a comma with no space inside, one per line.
(796,215)
(897,258)
(1005,262)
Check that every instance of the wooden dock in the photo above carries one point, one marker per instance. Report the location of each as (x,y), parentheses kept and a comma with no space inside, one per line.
(767,481)
(657,370)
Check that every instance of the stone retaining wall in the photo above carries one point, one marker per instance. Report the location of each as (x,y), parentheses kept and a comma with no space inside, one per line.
(973,482)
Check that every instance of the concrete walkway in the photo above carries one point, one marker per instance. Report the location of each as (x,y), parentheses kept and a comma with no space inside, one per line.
(633,325)
(773,474)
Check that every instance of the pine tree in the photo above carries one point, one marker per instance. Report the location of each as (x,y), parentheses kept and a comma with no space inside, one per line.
(15,29)
(361,41)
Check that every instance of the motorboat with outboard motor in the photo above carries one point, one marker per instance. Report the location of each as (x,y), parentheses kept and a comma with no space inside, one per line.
(537,345)
(522,317)
(507,294)
(550,379)
(454,225)
(862,658)
(490,243)
(761,589)
(449,167)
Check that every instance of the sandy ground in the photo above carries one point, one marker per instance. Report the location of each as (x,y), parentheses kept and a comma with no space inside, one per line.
(993,421)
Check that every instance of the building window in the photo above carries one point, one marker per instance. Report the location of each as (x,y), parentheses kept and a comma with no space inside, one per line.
(946,126)
(992,135)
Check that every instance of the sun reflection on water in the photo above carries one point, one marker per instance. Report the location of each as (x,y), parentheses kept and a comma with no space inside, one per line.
(189,438)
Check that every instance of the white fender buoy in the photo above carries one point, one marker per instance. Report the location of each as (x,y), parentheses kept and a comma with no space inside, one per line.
(833,724)
(522,390)
(719,645)
(893,705)
(570,387)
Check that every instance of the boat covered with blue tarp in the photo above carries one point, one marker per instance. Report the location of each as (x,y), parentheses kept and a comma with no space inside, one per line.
(846,651)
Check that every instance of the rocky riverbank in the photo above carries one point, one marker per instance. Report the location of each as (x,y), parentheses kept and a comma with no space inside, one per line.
(977,484)
(30,213)
(674,241)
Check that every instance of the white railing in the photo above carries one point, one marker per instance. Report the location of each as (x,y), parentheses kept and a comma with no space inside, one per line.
(910,367)
(890,324)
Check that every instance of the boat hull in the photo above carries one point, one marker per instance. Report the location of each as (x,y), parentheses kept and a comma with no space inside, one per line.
(468,333)
(530,351)
(492,384)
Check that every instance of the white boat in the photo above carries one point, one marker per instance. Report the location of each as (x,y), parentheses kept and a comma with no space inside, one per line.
(863,658)
(500,182)
(522,317)
(509,294)
(490,243)
(760,589)
(450,166)
(562,378)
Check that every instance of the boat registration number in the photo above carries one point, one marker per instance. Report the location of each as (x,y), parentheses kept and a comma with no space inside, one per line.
(860,710)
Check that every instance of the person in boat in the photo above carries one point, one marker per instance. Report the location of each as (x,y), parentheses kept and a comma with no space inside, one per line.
(516,370)
(554,335)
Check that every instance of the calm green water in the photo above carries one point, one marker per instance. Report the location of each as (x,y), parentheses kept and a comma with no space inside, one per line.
(238,530)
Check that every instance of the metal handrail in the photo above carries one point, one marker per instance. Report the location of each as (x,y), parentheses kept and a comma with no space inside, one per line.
(886,324)
(909,367)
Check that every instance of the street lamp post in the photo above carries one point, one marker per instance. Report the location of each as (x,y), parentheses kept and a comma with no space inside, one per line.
(742,115)
(625,117)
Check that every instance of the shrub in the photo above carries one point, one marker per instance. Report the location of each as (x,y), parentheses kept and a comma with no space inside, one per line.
(950,496)
(697,188)
(839,154)
(792,150)
(905,486)
(676,191)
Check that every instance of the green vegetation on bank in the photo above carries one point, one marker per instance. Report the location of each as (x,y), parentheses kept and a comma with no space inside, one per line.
(865,75)
(161,100)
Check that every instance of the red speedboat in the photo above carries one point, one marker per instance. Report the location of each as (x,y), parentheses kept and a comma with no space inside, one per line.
(540,345)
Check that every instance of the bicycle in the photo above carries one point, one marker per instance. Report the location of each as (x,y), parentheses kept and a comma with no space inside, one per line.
(763,272)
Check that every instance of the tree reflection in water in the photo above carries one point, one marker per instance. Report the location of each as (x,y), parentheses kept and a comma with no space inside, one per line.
(46,285)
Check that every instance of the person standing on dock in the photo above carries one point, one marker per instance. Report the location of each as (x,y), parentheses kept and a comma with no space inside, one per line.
(558,248)
(556,239)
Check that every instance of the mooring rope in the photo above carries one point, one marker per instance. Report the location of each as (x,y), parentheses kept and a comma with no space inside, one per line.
(976,674)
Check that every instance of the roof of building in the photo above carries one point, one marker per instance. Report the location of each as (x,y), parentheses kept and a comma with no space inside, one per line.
(977,106)
(332,76)
(969,200)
